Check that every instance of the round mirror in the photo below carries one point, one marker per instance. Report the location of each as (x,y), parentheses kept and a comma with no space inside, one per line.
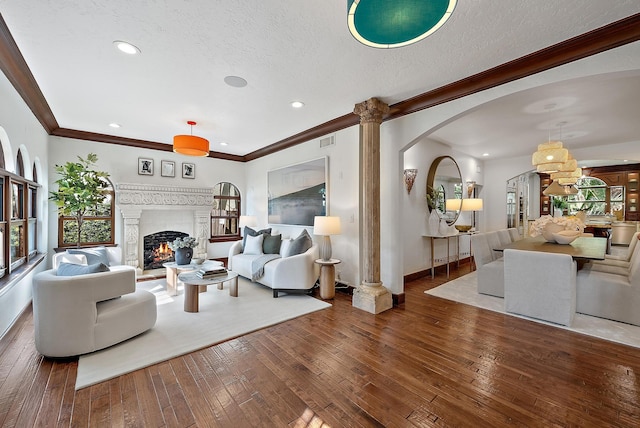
(444,182)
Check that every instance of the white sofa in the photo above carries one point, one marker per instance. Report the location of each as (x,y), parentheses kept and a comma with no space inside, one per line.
(297,273)
(75,315)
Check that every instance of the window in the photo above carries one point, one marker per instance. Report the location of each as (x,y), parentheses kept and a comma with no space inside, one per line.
(592,197)
(18,220)
(97,224)
(225,214)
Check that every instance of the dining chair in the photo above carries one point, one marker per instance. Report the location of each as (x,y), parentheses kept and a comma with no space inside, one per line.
(490,272)
(514,234)
(494,242)
(505,238)
(540,285)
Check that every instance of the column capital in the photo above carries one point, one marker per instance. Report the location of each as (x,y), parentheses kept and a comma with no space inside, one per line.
(371,110)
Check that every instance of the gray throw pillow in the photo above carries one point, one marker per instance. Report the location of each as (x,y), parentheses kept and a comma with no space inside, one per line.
(271,244)
(250,232)
(301,244)
(72,269)
(93,255)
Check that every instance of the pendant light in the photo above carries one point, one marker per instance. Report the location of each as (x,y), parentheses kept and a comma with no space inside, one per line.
(550,157)
(191,145)
(391,24)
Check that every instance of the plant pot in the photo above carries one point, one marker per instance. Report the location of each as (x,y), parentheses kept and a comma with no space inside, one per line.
(183,255)
(549,230)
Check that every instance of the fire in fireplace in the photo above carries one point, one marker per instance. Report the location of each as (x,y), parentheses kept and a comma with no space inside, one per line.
(156,248)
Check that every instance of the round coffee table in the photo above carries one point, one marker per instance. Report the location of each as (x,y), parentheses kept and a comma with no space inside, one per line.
(192,283)
(173,269)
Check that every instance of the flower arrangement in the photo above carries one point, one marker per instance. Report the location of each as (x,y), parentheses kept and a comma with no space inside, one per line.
(186,242)
(568,222)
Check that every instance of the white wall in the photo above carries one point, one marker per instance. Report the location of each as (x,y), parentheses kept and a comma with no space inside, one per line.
(121,162)
(20,129)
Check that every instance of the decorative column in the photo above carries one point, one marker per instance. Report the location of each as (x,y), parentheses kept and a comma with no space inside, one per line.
(131,220)
(201,232)
(371,295)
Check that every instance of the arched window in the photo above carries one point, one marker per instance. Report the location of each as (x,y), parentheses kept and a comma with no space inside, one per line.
(20,164)
(98,224)
(225,214)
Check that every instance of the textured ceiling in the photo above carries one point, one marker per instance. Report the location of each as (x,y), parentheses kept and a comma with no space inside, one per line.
(286,49)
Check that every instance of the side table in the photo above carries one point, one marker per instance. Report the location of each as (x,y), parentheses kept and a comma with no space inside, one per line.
(327,278)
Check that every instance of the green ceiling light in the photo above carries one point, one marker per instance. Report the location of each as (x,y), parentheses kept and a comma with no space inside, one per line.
(396,23)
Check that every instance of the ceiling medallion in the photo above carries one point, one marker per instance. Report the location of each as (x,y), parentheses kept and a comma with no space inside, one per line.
(392,24)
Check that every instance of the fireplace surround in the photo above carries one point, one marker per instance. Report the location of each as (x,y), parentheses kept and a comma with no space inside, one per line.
(148,209)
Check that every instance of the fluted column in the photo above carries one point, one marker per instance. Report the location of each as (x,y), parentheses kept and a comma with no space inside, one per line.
(371,295)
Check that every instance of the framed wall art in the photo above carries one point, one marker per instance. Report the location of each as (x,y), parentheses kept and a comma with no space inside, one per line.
(145,166)
(167,168)
(297,193)
(188,170)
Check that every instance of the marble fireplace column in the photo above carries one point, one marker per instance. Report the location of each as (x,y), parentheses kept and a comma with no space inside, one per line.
(371,295)
(202,232)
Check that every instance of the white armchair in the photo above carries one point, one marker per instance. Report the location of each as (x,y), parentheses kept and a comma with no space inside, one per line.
(75,315)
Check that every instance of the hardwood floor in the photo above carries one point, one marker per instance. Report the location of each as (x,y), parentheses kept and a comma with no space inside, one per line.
(427,362)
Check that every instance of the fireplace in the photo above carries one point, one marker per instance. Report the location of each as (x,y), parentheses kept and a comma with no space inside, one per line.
(148,209)
(156,248)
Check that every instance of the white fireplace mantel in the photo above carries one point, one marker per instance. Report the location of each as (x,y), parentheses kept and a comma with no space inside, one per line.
(133,199)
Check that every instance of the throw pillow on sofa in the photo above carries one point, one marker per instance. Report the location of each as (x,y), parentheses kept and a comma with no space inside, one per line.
(271,244)
(71,269)
(93,255)
(254,245)
(250,232)
(299,245)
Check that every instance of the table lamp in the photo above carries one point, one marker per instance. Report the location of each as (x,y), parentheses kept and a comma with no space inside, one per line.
(326,226)
(247,220)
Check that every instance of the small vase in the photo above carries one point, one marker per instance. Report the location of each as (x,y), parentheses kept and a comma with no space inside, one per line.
(183,255)
(549,230)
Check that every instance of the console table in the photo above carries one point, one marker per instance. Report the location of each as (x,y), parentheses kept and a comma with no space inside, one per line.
(457,236)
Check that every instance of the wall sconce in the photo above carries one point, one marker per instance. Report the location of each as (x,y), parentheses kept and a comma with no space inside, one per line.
(410,178)
(470,186)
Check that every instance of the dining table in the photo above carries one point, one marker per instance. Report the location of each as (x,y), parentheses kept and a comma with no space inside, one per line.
(582,249)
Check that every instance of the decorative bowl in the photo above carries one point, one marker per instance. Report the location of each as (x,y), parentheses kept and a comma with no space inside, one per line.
(463,227)
(566,236)
(198,261)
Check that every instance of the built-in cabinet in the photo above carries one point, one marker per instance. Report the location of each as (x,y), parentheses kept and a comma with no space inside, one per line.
(632,205)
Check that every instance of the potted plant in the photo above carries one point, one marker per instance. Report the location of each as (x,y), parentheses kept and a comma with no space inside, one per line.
(80,188)
(183,249)
(559,205)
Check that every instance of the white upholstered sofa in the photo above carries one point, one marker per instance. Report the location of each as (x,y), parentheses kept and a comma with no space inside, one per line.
(296,273)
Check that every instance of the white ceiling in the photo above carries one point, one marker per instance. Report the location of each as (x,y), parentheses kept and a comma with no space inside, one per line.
(301,50)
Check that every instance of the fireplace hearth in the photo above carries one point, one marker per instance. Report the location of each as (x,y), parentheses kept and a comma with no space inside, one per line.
(156,248)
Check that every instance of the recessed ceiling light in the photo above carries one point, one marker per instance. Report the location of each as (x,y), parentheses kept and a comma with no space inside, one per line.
(485,154)
(126,47)
(297,104)
(114,125)
(224,144)
(235,81)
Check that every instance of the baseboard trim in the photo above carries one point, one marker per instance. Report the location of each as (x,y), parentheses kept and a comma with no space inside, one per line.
(438,269)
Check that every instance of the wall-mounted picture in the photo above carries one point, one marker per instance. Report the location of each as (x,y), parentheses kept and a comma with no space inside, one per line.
(188,170)
(145,166)
(298,193)
(167,168)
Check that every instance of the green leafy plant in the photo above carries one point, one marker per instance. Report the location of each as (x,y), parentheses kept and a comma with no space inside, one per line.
(560,203)
(80,189)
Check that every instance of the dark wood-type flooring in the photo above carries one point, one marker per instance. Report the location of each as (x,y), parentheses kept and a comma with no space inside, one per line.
(428,362)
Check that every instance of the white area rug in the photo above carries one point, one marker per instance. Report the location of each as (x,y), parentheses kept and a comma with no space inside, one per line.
(176,332)
(464,290)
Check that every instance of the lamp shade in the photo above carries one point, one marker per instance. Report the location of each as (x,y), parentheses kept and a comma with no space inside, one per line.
(248,220)
(392,24)
(472,204)
(556,189)
(453,204)
(326,225)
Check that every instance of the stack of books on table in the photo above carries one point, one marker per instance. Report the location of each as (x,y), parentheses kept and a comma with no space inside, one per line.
(211,273)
